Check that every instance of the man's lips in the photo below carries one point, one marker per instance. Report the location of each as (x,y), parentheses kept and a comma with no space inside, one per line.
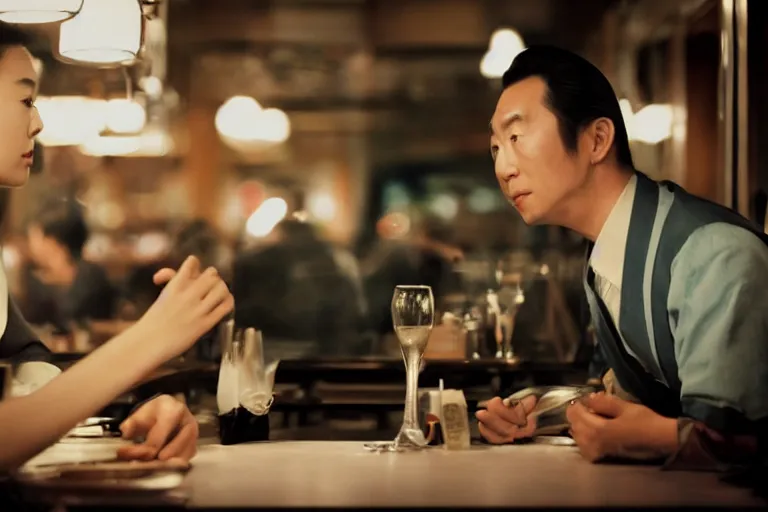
(28,154)
(518,197)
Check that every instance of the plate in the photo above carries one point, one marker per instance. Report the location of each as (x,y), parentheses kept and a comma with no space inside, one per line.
(133,476)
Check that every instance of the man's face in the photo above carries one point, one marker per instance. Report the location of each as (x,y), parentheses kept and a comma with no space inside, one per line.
(42,248)
(19,120)
(535,171)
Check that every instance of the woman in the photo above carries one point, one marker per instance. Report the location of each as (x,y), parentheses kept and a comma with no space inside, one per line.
(191,304)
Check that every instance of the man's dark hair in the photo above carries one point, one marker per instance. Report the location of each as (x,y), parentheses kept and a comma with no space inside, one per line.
(10,36)
(577,93)
(196,237)
(63,221)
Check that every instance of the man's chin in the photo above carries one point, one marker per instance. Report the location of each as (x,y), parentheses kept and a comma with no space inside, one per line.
(531,218)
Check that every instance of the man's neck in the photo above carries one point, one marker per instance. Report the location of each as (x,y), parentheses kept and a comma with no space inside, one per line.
(589,207)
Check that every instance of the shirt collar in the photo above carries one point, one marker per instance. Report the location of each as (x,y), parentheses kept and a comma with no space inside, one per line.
(607,258)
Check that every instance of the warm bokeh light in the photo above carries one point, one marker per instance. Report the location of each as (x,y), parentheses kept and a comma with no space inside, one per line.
(504,46)
(241,119)
(653,123)
(266,217)
(125,116)
(234,117)
(321,206)
(152,86)
(147,143)
(57,114)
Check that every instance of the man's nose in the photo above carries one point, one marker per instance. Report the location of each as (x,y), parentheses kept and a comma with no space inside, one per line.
(506,169)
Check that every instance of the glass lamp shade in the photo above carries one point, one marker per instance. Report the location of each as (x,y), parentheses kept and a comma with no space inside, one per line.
(105,32)
(38,11)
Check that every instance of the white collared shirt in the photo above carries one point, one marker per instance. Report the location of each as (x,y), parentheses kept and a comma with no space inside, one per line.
(607,259)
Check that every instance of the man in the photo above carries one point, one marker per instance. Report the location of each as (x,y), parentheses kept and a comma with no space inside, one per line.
(675,284)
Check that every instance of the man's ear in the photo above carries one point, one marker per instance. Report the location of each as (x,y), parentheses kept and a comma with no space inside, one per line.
(601,134)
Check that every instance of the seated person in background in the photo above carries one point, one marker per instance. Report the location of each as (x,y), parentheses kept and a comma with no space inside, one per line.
(425,256)
(297,293)
(676,284)
(191,304)
(198,238)
(64,289)
(139,290)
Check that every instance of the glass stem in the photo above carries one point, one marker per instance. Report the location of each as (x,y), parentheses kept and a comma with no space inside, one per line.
(412,360)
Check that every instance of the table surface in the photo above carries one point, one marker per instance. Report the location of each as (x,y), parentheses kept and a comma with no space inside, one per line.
(344,474)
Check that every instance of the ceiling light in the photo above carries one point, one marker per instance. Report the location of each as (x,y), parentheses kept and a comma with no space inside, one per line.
(38,11)
(105,32)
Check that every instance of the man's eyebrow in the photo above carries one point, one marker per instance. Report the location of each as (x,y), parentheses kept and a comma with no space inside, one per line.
(507,122)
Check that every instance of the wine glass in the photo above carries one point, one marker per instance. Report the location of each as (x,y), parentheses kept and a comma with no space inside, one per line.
(413,314)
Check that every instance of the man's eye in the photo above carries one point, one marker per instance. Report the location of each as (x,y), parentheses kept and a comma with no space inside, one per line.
(513,138)
(494,151)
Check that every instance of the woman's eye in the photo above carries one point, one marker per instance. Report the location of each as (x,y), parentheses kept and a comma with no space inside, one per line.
(29,102)
(513,138)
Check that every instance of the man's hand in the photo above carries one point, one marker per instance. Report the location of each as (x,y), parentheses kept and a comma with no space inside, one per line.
(607,426)
(168,428)
(503,422)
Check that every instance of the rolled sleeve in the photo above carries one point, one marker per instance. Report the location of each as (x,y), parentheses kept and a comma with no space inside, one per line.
(718,306)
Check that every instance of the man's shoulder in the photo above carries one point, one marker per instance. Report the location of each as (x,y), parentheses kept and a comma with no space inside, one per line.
(736,248)
(694,221)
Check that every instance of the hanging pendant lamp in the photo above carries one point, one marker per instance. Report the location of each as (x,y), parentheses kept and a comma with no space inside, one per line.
(38,11)
(104,33)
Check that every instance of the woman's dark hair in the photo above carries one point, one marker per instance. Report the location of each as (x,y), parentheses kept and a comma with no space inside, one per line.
(10,36)
(577,93)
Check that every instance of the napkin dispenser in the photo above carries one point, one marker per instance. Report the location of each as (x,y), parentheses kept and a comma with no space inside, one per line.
(446,418)
(246,386)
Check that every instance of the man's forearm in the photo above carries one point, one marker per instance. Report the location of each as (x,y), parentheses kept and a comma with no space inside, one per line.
(702,448)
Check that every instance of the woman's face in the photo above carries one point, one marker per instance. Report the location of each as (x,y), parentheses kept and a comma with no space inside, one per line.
(19,120)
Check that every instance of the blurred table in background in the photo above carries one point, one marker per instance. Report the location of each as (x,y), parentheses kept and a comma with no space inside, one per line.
(374,386)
